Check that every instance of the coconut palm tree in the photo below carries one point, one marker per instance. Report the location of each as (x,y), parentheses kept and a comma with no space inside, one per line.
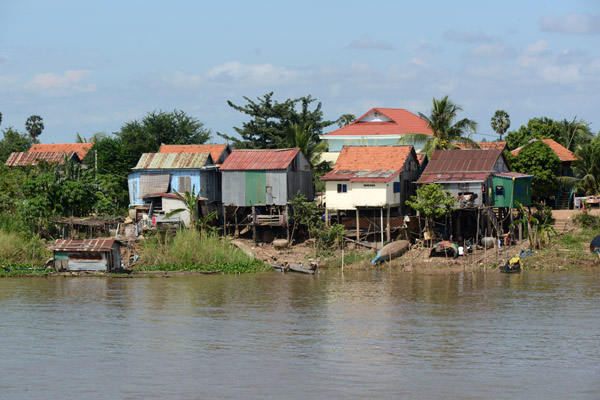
(303,137)
(446,130)
(587,169)
(500,122)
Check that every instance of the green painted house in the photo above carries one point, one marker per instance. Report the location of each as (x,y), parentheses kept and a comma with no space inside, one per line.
(508,187)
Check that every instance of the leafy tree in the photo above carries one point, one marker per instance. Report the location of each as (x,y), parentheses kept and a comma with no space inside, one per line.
(538,225)
(96,137)
(537,128)
(574,133)
(432,201)
(446,130)
(34,125)
(587,170)
(270,119)
(500,122)
(537,159)
(307,214)
(13,141)
(301,136)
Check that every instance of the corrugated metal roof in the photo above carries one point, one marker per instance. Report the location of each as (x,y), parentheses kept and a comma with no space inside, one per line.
(173,161)
(245,160)
(85,245)
(80,148)
(512,175)
(453,177)
(215,150)
(21,159)
(482,145)
(463,161)
(402,122)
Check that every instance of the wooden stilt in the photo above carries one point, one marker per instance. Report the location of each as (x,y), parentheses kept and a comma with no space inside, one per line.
(224,220)
(357,226)
(381,224)
(254,233)
(387,226)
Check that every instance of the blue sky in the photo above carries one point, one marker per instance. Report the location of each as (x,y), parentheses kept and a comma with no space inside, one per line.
(88,67)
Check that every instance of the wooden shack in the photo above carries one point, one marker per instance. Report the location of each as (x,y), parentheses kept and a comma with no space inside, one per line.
(86,255)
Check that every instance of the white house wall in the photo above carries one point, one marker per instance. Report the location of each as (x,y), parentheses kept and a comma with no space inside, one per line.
(169,204)
(359,194)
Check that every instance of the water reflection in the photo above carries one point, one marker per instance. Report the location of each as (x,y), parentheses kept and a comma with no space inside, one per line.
(351,334)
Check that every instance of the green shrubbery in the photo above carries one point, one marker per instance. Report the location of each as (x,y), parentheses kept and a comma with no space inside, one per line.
(187,250)
(17,248)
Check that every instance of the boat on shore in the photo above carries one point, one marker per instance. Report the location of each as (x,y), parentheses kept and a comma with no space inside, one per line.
(391,250)
(513,265)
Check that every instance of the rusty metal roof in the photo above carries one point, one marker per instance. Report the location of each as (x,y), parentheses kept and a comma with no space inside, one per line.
(80,148)
(453,177)
(512,175)
(55,157)
(85,245)
(174,161)
(244,160)
(463,161)
(216,150)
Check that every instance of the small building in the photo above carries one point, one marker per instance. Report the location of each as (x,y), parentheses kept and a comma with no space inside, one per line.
(565,155)
(157,176)
(510,187)
(378,127)
(86,255)
(265,177)
(82,149)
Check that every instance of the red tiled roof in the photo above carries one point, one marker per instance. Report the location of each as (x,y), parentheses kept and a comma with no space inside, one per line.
(215,150)
(85,245)
(245,160)
(80,148)
(482,145)
(561,151)
(402,122)
(22,159)
(369,163)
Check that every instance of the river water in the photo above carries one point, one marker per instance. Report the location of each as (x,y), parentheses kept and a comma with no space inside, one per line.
(336,335)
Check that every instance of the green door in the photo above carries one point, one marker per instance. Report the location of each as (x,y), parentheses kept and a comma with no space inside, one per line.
(256,182)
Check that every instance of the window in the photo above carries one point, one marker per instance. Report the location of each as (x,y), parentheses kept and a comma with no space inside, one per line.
(342,188)
(499,190)
(185,184)
(518,189)
(396,187)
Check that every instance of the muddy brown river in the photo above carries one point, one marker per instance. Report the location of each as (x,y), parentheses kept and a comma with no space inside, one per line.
(337,335)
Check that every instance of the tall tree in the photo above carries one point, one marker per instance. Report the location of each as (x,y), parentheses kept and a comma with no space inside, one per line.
(446,129)
(34,125)
(574,133)
(537,159)
(536,128)
(13,141)
(301,136)
(270,119)
(500,122)
(345,120)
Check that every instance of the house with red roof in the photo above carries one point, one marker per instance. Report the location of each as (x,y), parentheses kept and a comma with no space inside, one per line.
(54,153)
(371,177)
(219,152)
(482,145)
(81,149)
(378,127)
(265,177)
(566,156)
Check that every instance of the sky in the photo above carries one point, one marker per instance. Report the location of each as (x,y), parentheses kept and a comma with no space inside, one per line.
(88,67)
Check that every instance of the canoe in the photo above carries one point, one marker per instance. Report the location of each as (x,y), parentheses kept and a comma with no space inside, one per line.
(391,250)
(444,248)
(300,268)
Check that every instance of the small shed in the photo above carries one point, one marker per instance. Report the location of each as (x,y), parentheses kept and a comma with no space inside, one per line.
(86,255)
(508,187)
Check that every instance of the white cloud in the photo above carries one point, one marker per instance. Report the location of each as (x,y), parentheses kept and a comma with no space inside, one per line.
(492,51)
(51,81)
(252,74)
(367,43)
(535,54)
(577,24)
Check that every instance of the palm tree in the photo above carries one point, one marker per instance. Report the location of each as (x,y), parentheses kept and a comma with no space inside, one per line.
(574,133)
(303,137)
(190,204)
(446,130)
(500,122)
(587,169)
(34,125)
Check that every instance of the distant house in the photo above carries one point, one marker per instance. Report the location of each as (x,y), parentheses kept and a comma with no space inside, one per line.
(86,255)
(157,176)
(378,127)
(478,178)
(566,156)
(51,153)
(265,177)
(19,159)
(81,149)
(371,176)
(218,152)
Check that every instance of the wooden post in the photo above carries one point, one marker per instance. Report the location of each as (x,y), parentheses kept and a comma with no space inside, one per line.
(357,226)
(326,217)
(381,224)
(477,232)
(387,225)
(287,225)
(224,220)
(254,233)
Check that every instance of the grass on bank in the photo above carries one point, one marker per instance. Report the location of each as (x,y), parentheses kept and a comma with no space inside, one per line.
(187,250)
(17,248)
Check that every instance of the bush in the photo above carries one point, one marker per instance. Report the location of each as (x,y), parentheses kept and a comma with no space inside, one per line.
(586,220)
(17,249)
(189,251)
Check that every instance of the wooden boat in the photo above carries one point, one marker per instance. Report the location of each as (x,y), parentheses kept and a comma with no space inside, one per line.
(444,248)
(301,268)
(391,250)
(513,265)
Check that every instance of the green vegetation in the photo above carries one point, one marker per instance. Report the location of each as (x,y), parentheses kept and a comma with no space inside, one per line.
(538,225)
(432,201)
(19,248)
(500,122)
(187,250)
(539,160)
